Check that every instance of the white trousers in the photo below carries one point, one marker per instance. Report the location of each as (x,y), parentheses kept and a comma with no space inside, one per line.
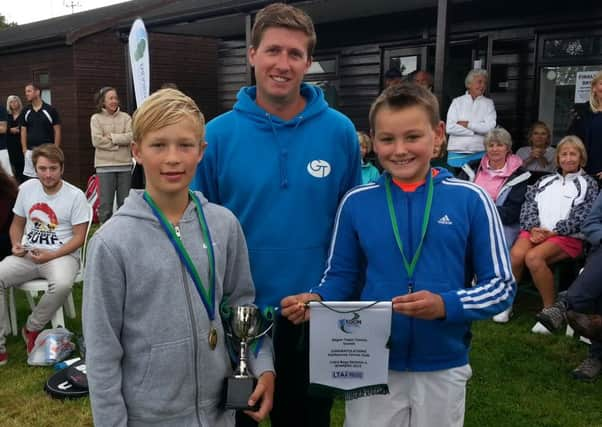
(5,162)
(28,169)
(415,399)
(60,273)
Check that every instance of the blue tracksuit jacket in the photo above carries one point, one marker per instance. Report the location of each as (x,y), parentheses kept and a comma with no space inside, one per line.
(464,240)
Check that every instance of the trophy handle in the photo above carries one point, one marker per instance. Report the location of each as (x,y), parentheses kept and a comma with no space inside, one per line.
(264,332)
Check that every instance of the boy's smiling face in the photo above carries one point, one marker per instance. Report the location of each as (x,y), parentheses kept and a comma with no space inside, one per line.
(404,140)
(170,156)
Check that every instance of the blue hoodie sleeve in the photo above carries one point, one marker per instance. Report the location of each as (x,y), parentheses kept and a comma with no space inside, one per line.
(343,266)
(354,169)
(494,286)
(206,177)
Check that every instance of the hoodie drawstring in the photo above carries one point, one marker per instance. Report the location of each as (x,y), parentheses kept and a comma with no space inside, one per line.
(283,150)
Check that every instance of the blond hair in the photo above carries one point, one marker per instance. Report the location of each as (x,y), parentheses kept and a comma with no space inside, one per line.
(283,16)
(10,99)
(364,139)
(594,103)
(164,108)
(573,141)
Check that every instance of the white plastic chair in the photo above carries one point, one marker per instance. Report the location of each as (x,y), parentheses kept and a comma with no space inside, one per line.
(32,288)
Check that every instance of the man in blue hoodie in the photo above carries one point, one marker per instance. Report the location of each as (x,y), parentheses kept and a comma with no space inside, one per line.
(281,160)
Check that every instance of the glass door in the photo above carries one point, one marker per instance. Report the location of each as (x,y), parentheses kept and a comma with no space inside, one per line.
(560,87)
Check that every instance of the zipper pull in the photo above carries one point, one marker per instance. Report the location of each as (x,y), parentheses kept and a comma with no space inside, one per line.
(177,230)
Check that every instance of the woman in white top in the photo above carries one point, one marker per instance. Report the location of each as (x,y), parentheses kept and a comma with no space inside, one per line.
(551,218)
(469,118)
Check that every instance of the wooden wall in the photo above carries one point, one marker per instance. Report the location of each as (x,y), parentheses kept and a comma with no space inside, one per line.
(231,72)
(189,62)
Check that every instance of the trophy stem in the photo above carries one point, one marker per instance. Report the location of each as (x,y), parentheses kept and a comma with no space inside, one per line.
(243,370)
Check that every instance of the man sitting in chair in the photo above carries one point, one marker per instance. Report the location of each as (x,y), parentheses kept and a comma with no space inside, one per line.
(48,228)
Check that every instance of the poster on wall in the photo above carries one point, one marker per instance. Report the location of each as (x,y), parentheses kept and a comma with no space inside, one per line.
(583,82)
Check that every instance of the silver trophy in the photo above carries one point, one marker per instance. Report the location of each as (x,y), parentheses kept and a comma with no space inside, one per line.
(245,324)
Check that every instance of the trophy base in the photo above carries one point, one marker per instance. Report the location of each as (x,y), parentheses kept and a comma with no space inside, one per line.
(237,392)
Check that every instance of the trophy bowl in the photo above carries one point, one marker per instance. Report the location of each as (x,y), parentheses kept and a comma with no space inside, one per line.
(245,325)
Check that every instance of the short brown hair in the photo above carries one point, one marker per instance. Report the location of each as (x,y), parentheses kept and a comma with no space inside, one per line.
(34,85)
(165,107)
(406,95)
(575,141)
(284,16)
(49,151)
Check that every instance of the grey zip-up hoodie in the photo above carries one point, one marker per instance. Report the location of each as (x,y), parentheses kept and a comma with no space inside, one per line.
(147,355)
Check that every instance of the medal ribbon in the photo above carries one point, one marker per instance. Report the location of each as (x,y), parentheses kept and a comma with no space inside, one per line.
(410,267)
(207,294)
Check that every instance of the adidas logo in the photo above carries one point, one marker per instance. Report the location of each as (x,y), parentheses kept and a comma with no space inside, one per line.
(445,220)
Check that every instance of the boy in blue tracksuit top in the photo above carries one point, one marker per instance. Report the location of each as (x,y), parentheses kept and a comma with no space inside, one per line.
(452,229)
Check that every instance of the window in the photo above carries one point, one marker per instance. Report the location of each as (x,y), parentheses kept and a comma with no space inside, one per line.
(322,69)
(570,47)
(42,78)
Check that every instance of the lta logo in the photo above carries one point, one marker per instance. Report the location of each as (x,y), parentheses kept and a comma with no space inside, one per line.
(350,325)
(319,168)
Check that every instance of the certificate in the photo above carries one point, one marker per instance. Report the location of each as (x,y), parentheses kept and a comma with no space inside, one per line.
(348,344)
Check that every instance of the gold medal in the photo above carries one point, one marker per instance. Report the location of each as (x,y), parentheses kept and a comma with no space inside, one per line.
(212,338)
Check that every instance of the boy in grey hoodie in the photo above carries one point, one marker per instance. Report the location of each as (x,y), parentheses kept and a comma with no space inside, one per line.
(155,277)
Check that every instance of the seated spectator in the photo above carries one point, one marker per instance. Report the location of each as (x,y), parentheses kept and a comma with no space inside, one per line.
(439,158)
(538,156)
(501,174)
(423,78)
(551,219)
(8,195)
(369,171)
(48,228)
(583,300)
(469,118)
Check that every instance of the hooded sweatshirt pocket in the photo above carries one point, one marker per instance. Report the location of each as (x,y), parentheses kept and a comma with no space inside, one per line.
(168,384)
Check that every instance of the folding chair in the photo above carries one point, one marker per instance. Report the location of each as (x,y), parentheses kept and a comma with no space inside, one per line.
(32,288)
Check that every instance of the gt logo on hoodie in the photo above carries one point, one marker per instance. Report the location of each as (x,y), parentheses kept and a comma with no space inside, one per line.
(319,168)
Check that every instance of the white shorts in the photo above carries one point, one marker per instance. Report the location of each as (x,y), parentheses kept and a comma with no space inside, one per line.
(415,399)
(28,169)
(5,162)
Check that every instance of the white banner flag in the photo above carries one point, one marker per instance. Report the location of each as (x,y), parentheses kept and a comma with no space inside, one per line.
(348,344)
(139,60)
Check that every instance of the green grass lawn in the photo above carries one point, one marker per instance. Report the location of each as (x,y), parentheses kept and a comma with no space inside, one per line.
(519,379)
